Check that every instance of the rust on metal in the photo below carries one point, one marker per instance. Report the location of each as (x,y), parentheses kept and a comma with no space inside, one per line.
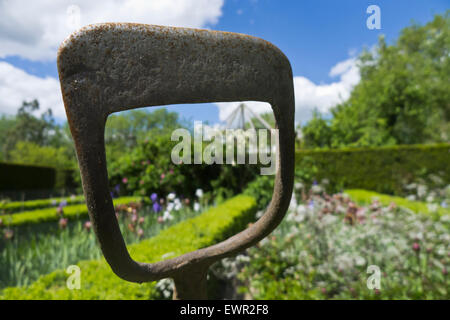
(111,67)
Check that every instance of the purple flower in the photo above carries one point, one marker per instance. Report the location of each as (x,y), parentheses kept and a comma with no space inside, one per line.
(63,203)
(315,182)
(154,197)
(416,246)
(117,188)
(156,207)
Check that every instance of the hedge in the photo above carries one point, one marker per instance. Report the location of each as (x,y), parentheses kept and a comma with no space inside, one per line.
(18,177)
(381,169)
(49,214)
(367,197)
(18,206)
(99,282)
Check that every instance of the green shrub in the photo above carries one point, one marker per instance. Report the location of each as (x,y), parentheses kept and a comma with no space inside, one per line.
(383,169)
(149,168)
(18,177)
(261,189)
(367,197)
(18,206)
(50,214)
(23,177)
(99,282)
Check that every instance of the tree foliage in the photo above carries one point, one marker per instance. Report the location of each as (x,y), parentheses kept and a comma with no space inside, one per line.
(403,96)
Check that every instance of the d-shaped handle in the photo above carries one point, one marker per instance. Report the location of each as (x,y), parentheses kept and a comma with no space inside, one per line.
(105,68)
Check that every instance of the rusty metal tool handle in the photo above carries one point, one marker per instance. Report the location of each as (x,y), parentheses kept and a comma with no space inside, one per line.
(111,67)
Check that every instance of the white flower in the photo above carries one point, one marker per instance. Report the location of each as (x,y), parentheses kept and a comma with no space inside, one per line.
(421,191)
(196,206)
(360,261)
(170,206)
(298,185)
(171,196)
(167,216)
(199,193)
(432,207)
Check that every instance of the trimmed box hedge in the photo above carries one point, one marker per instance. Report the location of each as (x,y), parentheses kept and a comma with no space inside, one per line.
(50,214)
(99,282)
(367,197)
(19,206)
(382,169)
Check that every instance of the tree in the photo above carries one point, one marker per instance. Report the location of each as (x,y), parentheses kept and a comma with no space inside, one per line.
(126,130)
(404,93)
(25,133)
(31,153)
(317,132)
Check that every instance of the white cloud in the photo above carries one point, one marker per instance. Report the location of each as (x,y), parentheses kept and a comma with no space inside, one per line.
(309,95)
(34,29)
(16,86)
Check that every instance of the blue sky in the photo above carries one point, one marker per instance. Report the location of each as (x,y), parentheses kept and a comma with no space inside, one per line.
(320,38)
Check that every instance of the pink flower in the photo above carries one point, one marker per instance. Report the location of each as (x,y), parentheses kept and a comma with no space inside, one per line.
(141,220)
(141,182)
(163,176)
(134,217)
(444,271)
(160,219)
(1,222)
(60,211)
(416,246)
(140,232)
(392,206)
(88,225)
(125,180)
(62,223)
(9,234)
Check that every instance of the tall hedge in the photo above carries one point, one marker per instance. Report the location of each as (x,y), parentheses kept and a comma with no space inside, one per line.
(19,177)
(381,169)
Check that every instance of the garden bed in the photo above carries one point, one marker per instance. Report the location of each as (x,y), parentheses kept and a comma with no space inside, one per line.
(99,282)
